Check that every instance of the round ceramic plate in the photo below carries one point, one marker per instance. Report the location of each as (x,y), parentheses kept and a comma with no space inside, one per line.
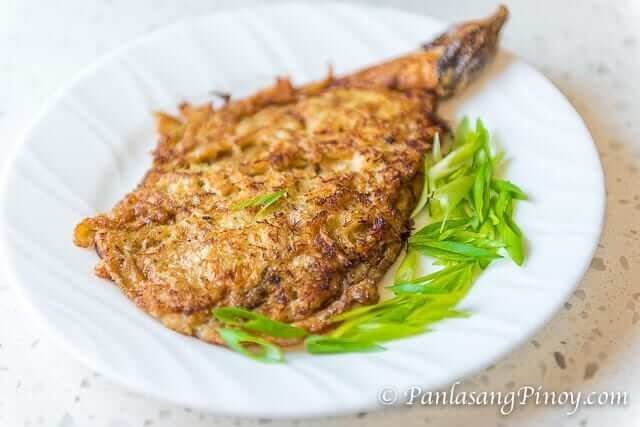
(91,145)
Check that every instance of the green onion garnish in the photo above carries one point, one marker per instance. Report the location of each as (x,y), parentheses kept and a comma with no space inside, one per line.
(407,267)
(243,342)
(437,150)
(319,344)
(501,185)
(247,319)
(263,200)
(424,196)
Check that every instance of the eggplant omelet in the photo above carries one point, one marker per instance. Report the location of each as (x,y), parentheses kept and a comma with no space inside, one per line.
(341,163)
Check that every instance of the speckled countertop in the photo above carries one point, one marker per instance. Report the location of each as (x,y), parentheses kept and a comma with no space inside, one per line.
(589,49)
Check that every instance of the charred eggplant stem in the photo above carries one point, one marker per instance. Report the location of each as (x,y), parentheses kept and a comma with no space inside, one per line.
(443,66)
(464,50)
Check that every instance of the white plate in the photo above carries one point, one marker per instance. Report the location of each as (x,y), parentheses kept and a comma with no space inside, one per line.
(91,144)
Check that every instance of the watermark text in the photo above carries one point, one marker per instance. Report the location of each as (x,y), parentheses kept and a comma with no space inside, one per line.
(506,401)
